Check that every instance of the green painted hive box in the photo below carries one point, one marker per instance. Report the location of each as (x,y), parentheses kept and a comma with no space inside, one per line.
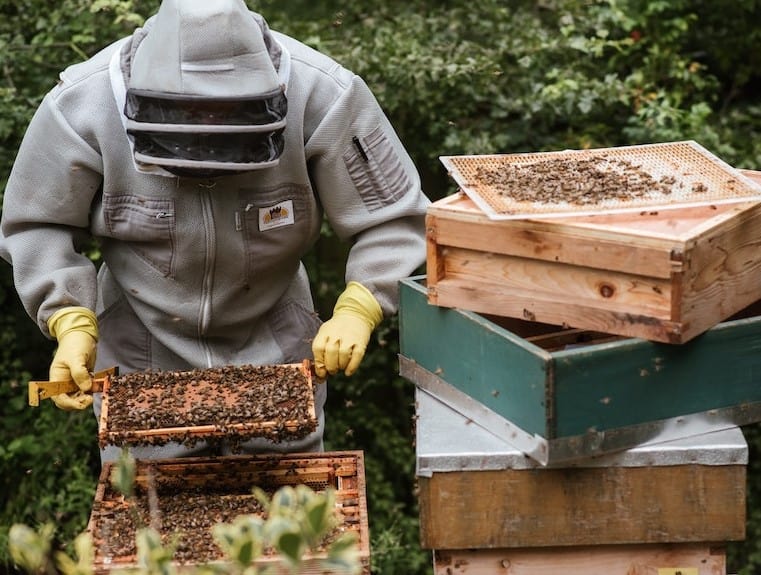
(561,395)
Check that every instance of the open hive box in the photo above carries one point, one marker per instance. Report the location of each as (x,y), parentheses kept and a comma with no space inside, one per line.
(664,273)
(561,394)
(188,496)
(231,402)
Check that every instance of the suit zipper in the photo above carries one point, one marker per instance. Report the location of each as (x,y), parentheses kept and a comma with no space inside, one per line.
(204,318)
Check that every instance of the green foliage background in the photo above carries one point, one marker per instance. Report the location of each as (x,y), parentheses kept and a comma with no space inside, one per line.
(456,77)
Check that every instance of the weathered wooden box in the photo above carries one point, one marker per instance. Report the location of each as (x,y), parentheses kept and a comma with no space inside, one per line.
(477,492)
(187,496)
(560,394)
(660,274)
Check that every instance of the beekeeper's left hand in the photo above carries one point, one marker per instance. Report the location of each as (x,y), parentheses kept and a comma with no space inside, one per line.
(341,341)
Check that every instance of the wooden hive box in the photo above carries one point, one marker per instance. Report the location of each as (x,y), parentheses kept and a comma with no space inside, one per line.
(664,275)
(477,492)
(193,494)
(560,394)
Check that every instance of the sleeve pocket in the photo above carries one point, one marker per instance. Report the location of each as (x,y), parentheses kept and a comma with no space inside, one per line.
(376,170)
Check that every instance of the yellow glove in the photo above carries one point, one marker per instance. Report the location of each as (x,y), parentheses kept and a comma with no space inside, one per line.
(76,330)
(341,341)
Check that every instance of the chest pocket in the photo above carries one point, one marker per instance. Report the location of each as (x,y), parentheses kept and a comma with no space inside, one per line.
(278,227)
(146,225)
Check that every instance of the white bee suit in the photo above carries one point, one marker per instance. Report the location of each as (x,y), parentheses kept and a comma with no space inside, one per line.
(206,271)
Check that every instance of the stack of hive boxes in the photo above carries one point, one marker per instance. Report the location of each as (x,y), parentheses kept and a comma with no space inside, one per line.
(580,383)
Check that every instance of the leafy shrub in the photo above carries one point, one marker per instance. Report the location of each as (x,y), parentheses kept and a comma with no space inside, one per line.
(455,77)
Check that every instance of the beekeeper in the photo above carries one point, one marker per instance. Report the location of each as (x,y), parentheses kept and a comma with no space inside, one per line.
(202,153)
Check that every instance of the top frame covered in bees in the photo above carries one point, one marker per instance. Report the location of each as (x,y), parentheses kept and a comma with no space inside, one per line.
(602,180)
(234,402)
(665,275)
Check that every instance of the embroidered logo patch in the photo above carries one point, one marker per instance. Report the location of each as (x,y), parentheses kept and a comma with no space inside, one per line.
(276,216)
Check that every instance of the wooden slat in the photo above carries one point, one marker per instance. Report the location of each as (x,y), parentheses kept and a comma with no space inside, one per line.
(562,240)
(549,245)
(434,259)
(558,281)
(725,271)
(560,310)
(700,559)
(650,226)
(575,506)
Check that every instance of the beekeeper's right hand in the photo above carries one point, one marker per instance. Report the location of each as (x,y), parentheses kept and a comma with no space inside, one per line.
(76,330)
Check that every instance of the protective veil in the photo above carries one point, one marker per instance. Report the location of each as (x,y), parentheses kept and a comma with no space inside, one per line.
(203,96)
